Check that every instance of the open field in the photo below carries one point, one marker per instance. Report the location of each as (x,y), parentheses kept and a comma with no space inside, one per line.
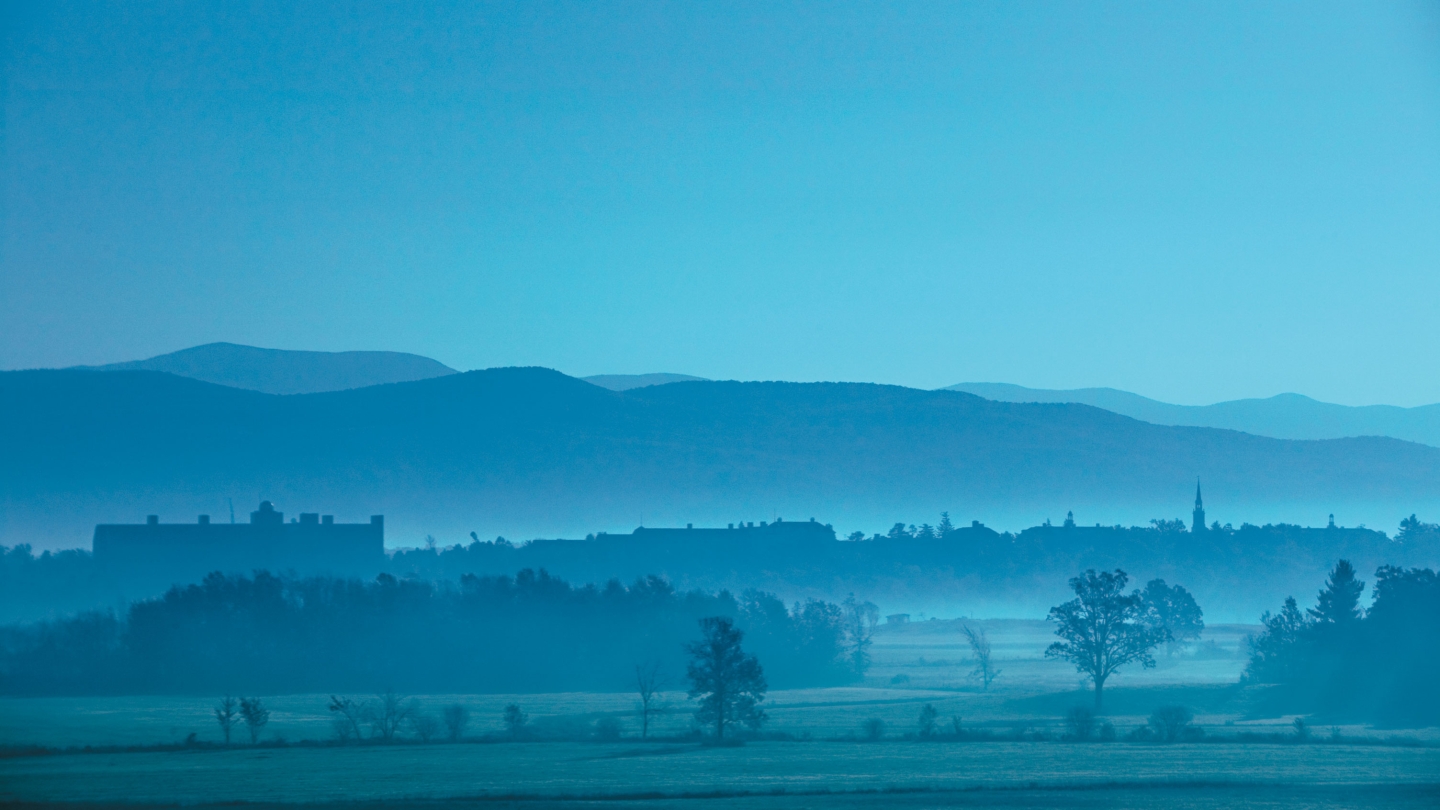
(914,664)
(824,766)
(628,769)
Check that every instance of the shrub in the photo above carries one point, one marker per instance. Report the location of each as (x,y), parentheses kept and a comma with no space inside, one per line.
(928,716)
(1080,722)
(425,726)
(873,729)
(1107,732)
(607,729)
(456,718)
(1169,722)
(1302,730)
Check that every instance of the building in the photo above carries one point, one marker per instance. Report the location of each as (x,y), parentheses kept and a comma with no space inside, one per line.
(186,552)
(1197,518)
(781,532)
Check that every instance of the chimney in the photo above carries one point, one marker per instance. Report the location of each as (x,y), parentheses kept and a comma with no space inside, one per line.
(327,520)
(204,520)
(689,525)
(152,520)
(377,520)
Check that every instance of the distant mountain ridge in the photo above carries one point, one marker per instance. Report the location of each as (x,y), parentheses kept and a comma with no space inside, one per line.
(626,382)
(283,371)
(1284,416)
(532,451)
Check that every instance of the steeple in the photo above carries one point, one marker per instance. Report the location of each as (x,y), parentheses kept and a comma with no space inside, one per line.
(1197,519)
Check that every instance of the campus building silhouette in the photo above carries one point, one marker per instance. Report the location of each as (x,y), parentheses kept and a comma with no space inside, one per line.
(180,552)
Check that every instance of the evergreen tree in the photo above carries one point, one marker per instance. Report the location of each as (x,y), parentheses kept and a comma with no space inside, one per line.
(1339,602)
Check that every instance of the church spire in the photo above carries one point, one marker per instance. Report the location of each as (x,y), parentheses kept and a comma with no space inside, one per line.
(1197,518)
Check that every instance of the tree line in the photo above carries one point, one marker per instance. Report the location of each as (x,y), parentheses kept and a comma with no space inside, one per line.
(533,632)
(1235,563)
(1341,660)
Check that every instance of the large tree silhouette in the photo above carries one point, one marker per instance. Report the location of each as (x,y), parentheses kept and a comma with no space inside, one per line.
(728,682)
(1103,628)
(1339,602)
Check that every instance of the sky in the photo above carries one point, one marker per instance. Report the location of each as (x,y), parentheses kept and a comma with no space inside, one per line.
(1192,201)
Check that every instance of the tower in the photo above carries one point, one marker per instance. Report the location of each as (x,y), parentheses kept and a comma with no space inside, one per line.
(1197,518)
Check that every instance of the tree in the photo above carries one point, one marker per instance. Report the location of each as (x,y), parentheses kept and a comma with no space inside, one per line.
(945,526)
(425,726)
(928,716)
(1272,658)
(1081,723)
(984,667)
(648,684)
(348,715)
(389,713)
(860,621)
(1339,603)
(515,719)
(1174,610)
(227,716)
(728,682)
(1412,529)
(1103,628)
(873,729)
(456,717)
(255,715)
(1170,722)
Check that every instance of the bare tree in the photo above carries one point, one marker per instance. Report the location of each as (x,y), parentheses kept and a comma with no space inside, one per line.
(728,681)
(456,718)
(425,726)
(984,666)
(227,716)
(255,715)
(348,716)
(389,713)
(1103,628)
(860,621)
(648,684)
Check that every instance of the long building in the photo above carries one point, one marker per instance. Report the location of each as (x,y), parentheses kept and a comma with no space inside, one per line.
(186,552)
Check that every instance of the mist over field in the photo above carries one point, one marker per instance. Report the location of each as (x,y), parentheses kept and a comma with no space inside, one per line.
(686,406)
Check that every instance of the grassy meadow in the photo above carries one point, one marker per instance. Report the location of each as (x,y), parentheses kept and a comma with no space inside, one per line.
(815,756)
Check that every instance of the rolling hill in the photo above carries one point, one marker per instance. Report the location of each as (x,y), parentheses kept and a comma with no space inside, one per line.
(1284,416)
(281,371)
(625,382)
(529,451)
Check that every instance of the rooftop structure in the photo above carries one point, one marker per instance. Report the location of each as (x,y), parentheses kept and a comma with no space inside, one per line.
(186,552)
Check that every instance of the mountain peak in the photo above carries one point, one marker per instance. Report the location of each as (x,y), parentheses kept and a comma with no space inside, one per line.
(284,371)
(625,382)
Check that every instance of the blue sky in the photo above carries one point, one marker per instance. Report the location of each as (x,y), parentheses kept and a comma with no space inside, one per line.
(1195,202)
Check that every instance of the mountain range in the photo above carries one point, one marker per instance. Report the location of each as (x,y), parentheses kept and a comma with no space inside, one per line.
(530,451)
(282,371)
(1284,416)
